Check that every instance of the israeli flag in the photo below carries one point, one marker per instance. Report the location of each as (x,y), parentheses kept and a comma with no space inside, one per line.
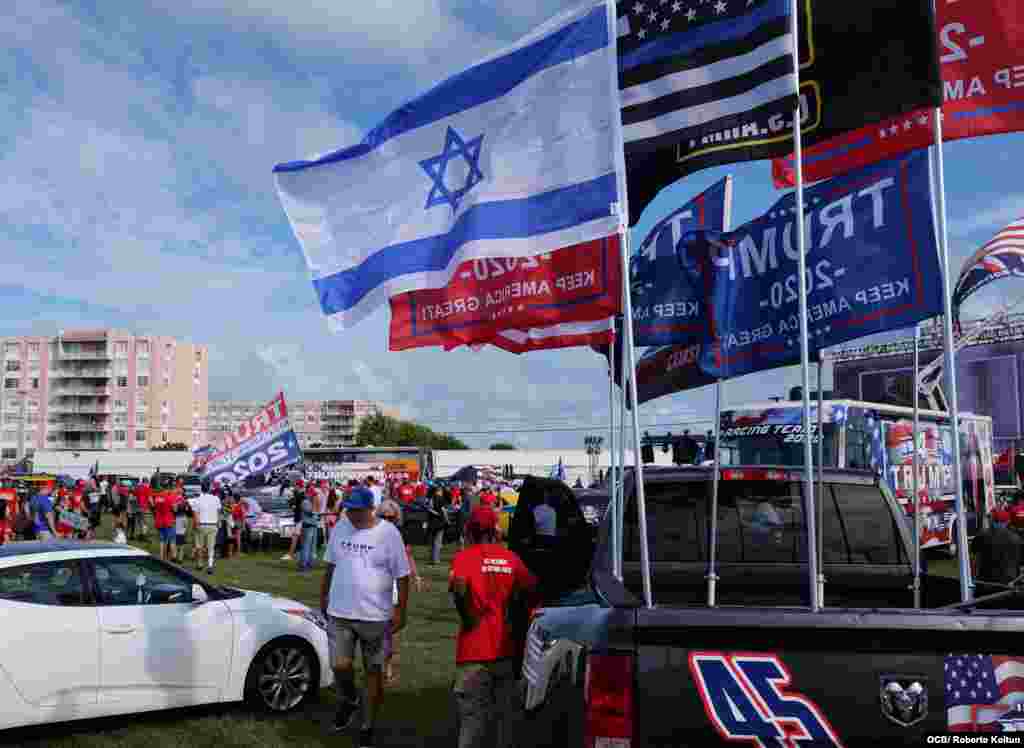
(514,157)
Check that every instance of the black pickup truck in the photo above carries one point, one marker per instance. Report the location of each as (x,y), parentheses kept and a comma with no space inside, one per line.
(602,670)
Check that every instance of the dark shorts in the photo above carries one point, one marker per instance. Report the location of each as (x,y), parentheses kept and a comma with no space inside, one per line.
(373,638)
(166,535)
(179,539)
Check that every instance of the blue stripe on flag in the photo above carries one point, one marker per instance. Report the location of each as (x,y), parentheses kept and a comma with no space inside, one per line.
(685,42)
(480,84)
(506,219)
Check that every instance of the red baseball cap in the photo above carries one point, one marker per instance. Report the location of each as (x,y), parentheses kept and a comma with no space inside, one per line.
(483,518)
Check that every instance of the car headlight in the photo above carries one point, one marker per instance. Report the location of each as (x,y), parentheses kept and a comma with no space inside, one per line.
(310,615)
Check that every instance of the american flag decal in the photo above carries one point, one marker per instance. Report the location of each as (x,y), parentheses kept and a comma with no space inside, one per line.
(692,71)
(984,693)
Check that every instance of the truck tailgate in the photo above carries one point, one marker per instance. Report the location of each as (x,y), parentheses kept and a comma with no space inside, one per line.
(842,677)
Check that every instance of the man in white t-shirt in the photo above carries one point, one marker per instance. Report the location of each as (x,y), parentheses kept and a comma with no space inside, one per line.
(207,509)
(365,557)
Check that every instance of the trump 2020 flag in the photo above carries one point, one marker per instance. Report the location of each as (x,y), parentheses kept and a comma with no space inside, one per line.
(515,157)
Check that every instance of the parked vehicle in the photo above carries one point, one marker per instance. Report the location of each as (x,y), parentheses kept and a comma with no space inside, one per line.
(123,632)
(761,667)
(861,436)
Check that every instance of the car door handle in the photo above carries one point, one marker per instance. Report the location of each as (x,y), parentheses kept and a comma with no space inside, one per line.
(120,629)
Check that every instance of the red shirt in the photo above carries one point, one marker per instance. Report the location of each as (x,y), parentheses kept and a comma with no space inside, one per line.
(488,499)
(492,573)
(238,514)
(456,496)
(406,493)
(421,490)
(163,510)
(145,496)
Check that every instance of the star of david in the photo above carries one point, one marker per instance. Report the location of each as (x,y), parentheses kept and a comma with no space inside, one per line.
(437,166)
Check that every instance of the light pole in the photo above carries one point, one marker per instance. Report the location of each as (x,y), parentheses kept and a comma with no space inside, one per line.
(593,445)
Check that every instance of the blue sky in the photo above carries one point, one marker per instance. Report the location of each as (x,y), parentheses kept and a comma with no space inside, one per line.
(136,192)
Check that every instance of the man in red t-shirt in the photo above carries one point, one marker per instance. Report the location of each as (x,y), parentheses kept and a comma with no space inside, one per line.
(421,490)
(406,493)
(487,581)
(163,519)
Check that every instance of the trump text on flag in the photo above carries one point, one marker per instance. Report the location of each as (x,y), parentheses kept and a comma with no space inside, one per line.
(872,265)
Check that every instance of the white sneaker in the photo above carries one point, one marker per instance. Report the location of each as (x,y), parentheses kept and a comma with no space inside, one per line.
(287,557)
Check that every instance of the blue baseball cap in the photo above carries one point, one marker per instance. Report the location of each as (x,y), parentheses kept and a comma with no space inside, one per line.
(360,498)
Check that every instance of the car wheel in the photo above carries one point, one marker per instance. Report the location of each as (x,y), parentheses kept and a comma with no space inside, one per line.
(283,676)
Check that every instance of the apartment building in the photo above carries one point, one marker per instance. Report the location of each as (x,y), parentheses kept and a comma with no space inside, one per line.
(101,390)
(332,423)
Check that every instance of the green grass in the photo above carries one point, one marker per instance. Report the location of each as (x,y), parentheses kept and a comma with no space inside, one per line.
(417,711)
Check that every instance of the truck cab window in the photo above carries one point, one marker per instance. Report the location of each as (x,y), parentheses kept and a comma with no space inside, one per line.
(871,532)
(676,523)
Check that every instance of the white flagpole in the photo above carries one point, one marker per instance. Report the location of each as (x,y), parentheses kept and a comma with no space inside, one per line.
(622,449)
(820,550)
(719,387)
(612,482)
(805,366)
(917,463)
(966,585)
(630,354)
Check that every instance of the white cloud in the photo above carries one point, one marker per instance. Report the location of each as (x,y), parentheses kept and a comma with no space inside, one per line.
(991,219)
(407,32)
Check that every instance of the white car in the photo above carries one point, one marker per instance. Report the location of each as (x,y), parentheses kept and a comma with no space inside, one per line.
(98,629)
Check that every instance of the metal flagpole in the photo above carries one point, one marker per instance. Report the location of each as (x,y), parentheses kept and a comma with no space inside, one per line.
(638,463)
(612,483)
(713,541)
(622,450)
(821,480)
(622,453)
(805,367)
(622,209)
(966,591)
(917,463)
(713,552)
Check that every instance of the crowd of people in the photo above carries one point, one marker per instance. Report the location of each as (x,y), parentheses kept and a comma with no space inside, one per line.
(369,572)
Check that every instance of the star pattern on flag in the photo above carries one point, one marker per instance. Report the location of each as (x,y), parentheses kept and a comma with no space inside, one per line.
(647,22)
(908,124)
(436,168)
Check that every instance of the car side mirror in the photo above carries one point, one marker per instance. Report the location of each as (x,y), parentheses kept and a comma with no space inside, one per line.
(199,595)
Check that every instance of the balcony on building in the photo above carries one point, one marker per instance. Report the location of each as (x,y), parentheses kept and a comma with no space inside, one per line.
(76,424)
(77,444)
(67,371)
(84,345)
(79,388)
(72,406)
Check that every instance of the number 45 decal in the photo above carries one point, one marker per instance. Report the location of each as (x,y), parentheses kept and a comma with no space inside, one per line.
(745,696)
